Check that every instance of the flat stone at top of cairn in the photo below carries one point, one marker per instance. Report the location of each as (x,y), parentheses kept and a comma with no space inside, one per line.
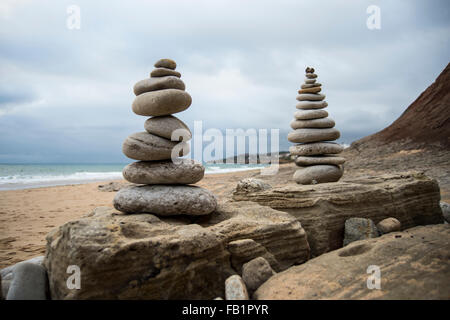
(166,189)
(313,133)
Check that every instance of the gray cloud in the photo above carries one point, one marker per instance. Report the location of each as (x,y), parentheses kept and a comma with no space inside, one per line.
(65,95)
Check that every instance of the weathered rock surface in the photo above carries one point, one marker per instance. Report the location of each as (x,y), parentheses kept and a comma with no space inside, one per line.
(7,273)
(235,288)
(388,225)
(321,173)
(316,148)
(164,172)
(149,147)
(244,250)
(154,84)
(413,265)
(165,200)
(310,114)
(161,103)
(322,209)
(141,256)
(307,135)
(251,185)
(255,273)
(29,282)
(164,126)
(359,229)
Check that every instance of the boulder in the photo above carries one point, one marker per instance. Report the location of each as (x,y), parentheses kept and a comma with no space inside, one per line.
(7,273)
(359,229)
(413,264)
(256,272)
(29,282)
(251,185)
(141,256)
(322,209)
(166,200)
(389,225)
(164,172)
(235,288)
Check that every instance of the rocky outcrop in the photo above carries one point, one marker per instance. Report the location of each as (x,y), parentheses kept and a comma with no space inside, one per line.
(322,209)
(413,265)
(142,256)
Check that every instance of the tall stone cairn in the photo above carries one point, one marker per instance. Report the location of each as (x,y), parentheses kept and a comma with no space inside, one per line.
(163,178)
(313,133)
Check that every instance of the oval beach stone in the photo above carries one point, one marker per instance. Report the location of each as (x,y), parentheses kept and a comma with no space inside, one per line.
(310,81)
(166,63)
(318,148)
(313,135)
(164,172)
(164,126)
(162,72)
(310,114)
(165,200)
(161,102)
(311,75)
(153,84)
(318,174)
(310,97)
(307,105)
(310,90)
(314,123)
(312,85)
(314,160)
(149,147)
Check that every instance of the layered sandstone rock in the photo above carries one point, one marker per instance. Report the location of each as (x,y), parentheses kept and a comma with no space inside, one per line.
(142,256)
(413,265)
(322,209)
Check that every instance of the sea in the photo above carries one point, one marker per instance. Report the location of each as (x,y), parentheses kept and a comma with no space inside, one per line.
(25,176)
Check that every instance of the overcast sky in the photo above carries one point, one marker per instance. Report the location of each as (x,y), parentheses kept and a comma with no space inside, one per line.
(66,95)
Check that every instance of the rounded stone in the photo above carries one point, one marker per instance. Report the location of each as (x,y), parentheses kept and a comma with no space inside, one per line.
(318,174)
(311,75)
(310,90)
(306,135)
(165,63)
(310,114)
(322,159)
(235,288)
(165,200)
(310,97)
(153,84)
(149,147)
(311,85)
(389,225)
(161,102)
(318,148)
(162,72)
(307,105)
(164,126)
(313,123)
(29,282)
(310,81)
(164,172)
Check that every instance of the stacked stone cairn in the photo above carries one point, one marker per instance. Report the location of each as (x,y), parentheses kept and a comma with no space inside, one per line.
(313,133)
(163,178)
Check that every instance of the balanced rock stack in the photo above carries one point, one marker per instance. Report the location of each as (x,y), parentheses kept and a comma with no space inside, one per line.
(163,178)
(313,131)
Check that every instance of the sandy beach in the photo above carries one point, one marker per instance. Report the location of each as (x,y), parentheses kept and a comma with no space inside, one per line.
(26,216)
